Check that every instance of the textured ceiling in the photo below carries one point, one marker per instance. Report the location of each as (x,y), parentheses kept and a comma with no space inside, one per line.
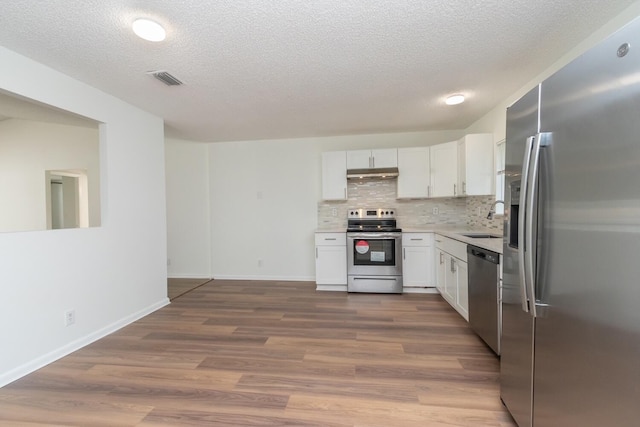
(260,69)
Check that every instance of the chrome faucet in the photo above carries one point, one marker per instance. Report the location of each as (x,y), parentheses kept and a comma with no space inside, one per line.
(492,211)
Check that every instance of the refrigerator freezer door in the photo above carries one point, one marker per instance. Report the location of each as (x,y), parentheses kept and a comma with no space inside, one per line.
(516,362)
(587,345)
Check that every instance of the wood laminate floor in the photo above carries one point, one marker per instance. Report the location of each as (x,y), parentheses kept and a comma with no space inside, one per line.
(239,353)
(179,287)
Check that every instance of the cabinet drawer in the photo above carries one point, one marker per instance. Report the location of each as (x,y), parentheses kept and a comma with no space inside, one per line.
(454,247)
(331,239)
(417,239)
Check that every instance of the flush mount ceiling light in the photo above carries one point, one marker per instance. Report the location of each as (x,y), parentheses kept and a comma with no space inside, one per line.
(454,99)
(149,30)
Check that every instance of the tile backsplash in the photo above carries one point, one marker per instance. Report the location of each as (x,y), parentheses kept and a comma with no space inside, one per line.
(409,212)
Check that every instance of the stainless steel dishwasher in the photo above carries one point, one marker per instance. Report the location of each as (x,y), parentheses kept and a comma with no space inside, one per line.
(484,297)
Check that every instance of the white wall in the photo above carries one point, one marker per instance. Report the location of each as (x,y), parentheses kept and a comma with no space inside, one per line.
(112,274)
(264,200)
(27,150)
(188,232)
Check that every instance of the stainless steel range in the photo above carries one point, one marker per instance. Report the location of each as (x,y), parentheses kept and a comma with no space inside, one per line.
(374,247)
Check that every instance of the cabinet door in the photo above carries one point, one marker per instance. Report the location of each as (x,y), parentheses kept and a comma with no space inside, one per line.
(334,175)
(476,169)
(462,168)
(417,266)
(359,159)
(384,158)
(444,169)
(462,302)
(414,173)
(441,271)
(450,280)
(331,265)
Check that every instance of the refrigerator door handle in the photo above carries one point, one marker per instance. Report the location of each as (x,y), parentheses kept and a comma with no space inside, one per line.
(531,221)
(530,194)
(542,309)
(522,215)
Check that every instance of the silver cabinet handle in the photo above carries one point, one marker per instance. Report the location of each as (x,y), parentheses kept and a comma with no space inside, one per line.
(453,265)
(428,191)
(415,239)
(441,257)
(464,187)
(404,253)
(345,193)
(373,161)
(316,253)
(370,162)
(376,278)
(454,190)
(330,238)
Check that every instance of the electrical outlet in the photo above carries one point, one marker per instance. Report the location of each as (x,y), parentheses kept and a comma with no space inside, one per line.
(69,317)
(334,212)
(435,211)
(479,211)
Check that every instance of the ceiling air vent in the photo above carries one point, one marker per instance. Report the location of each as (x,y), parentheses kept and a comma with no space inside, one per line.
(165,78)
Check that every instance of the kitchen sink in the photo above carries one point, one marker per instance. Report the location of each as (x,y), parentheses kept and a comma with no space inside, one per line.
(482,236)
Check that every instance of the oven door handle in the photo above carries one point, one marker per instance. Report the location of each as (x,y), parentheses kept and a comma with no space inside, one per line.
(374,235)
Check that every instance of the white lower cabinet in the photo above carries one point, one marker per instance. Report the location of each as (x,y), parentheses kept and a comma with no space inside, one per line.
(462,280)
(441,270)
(331,259)
(452,270)
(417,260)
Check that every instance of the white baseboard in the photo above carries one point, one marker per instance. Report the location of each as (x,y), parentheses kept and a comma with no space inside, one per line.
(338,288)
(420,291)
(29,367)
(276,278)
(343,288)
(189,276)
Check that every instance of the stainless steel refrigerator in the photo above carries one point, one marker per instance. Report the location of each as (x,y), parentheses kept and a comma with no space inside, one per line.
(571,263)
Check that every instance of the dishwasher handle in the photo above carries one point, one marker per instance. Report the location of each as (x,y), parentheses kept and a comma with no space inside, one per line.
(483,254)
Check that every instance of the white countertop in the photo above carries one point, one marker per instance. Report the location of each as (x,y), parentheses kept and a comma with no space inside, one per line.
(494,245)
(457,231)
(330,230)
(451,231)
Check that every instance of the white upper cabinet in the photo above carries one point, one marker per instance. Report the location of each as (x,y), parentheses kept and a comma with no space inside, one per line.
(444,169)
(358,159)
(414,175)
(334,175)
(476,173)
(385,158)
(367,159)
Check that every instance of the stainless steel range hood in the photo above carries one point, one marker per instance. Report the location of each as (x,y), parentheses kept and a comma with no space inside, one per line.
(379,173)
